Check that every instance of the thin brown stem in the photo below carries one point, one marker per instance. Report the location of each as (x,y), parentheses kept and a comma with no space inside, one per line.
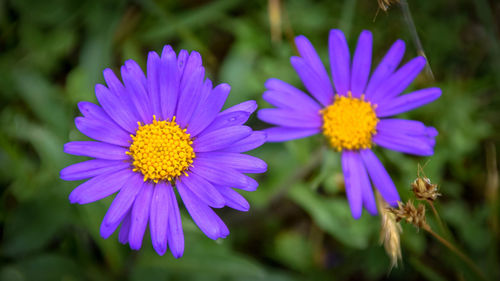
(455,250)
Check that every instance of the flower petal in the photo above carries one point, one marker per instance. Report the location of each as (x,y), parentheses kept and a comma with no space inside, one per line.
(222,175)
(279,134)
(289,93)
(386,67)
(416,145)
(234,199)
(125,228)
(96,150)
(339,61)
(121,112)
(206,219)
(408,102)
(240,162)
(175,235)
(380,177)
(256,139)
(159,218)
(135,83)
(229,119)
(203,189)
(399,81)
(319,89)
(140,216)
(189,96)
(153,87)
(169,84)
(352,180)
(221,138)
(124,200)
(289,118)
(212,105)
(248,106)
(361,63)
(308,53)
(99,187)
(103,131)
(91,168)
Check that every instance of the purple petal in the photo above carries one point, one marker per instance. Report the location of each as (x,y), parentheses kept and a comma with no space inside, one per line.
(192,64)
(289,118)
(288,92)
(352,178)
(291,102)
(125,228)
(240,162)
(416,145)
(361,63)
(398,81)
(132,77)
(121,112)
(140,215)
(206,219)
(91,168)
(222,175)
(96,150)
(175,235)
(380,177)
(407,102)
(159,217)
(189,97)
(321,90)
(203,189)
(103,131)
(386,67)
(256,139)
(308,53)
(366,188)
(279,134)
(247,106)
(153,87)
(339,61)
(169,85)
(212,105)
(229,119)
(95,112)
(124,200)
(99,187)
(220,139)
(407,127)
(234,199)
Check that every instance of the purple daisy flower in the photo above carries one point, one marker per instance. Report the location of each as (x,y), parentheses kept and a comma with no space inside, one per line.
(158,132)
(353,112)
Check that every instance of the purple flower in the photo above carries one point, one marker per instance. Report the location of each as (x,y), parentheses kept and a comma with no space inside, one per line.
(158,132)
(353,112)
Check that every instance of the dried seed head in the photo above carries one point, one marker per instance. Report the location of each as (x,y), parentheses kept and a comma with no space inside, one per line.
(411,214)
(385,4)
(423,188)
(390,232)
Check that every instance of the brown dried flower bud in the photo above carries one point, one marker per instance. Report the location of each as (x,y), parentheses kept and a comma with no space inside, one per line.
(424,189)
(411,214)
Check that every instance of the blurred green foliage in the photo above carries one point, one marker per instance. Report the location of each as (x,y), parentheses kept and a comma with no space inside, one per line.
(52,53)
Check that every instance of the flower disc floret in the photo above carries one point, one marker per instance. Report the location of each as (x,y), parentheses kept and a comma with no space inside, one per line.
(349,123)
(161,150)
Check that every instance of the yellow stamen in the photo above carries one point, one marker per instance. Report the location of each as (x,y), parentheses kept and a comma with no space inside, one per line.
(161,150)
(349,123)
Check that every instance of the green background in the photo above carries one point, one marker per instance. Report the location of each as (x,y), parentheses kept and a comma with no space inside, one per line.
(299,227)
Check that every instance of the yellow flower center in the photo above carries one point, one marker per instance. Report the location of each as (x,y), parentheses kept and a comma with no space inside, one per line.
(349,123)
(161,150)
